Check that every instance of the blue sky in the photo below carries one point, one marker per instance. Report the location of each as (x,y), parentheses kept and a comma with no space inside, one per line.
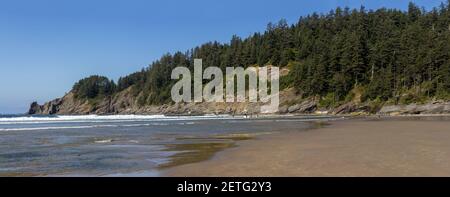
(48,45)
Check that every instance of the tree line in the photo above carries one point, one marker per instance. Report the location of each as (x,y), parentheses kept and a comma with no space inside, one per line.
(386,54)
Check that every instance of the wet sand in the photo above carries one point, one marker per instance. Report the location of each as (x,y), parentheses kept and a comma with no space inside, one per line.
(392,147)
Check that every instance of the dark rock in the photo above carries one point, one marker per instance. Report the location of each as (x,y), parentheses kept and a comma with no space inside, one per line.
(52,107)
(293,108)
(308,106)
(345,108)
(35,108)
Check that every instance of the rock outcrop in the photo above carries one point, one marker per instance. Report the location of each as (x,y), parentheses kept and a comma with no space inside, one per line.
(35,108)
(428,108)
(307,106)
(125,103)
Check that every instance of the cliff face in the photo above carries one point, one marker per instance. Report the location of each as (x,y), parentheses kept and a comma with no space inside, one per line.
(125,103)
(64,105)
(290,103)
(69,105)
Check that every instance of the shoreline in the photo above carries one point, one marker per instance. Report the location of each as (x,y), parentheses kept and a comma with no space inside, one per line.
(370,146)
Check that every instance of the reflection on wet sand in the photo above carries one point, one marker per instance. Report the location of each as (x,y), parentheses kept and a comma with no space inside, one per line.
(201,149)
(195,152)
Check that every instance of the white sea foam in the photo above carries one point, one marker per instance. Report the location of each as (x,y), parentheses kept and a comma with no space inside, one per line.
(102,118)
(104,141)
(54,128)
(98,121)
(79,117)
(89,126)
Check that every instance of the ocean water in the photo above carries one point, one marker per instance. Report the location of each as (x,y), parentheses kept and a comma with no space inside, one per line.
(125,145)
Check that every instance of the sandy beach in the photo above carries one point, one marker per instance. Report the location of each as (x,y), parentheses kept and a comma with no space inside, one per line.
(390,147)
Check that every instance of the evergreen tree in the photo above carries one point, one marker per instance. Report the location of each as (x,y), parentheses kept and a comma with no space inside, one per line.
(386,53)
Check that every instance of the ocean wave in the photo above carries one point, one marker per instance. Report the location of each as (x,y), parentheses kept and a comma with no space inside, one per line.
(78,117)
(101,118)
(92,126)
(53,128)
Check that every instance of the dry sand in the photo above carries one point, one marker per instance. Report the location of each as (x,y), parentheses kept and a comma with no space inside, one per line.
(345,148)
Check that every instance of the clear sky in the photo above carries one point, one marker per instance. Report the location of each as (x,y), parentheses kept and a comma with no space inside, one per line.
(48,45)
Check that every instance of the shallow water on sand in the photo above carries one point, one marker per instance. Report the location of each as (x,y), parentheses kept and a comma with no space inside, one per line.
(125,145)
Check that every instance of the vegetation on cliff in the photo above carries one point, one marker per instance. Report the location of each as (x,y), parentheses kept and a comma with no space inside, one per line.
(382,55)
(93,87)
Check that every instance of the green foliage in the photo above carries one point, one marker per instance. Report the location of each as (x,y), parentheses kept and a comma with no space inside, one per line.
(375,105)
(386,51)
(93,87)
(328,101)
(135,78)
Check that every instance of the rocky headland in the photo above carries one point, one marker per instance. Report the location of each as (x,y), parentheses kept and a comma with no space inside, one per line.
(290,103)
